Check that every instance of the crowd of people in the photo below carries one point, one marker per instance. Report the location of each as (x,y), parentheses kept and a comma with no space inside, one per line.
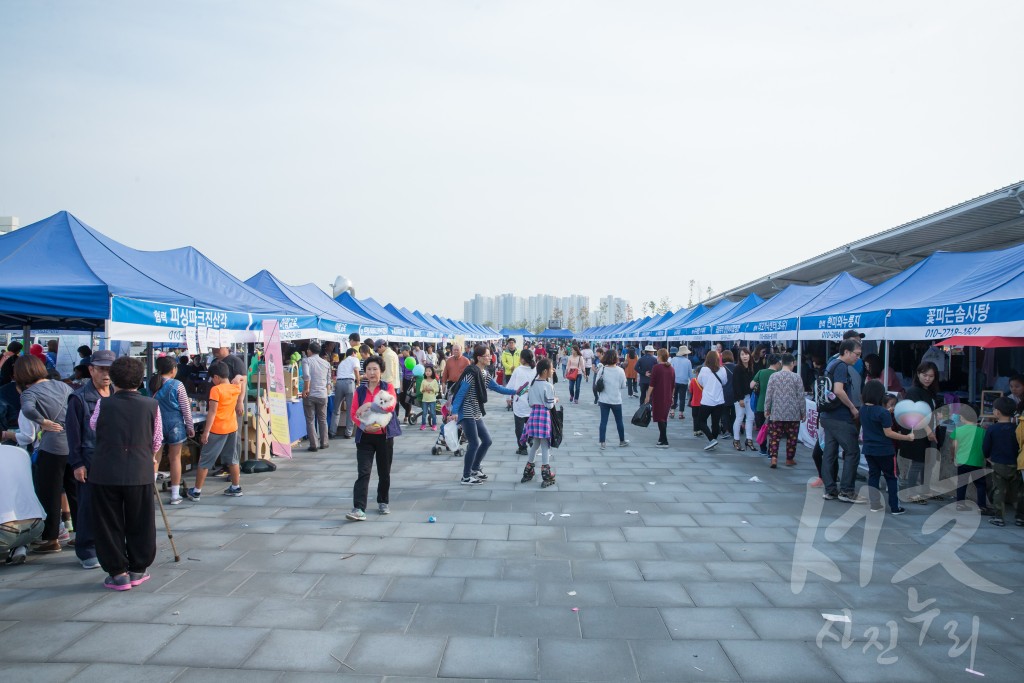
(81,454)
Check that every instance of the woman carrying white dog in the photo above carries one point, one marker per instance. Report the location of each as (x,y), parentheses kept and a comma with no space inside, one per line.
(373,440)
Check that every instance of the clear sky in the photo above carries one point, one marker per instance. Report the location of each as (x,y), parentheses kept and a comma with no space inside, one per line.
(432,149)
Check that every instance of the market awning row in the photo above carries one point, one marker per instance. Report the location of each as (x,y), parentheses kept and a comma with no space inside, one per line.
(61,273)
(948,294)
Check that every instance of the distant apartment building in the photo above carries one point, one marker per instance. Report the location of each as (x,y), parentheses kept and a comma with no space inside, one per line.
(574,311)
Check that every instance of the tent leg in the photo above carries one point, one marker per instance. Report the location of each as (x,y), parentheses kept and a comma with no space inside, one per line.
(149,360)
(972,374)
(26,338)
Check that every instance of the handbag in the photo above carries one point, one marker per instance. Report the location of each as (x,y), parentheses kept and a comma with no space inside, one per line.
(762,434)
(572,373)
(642,416)
(599,384)
(555,440)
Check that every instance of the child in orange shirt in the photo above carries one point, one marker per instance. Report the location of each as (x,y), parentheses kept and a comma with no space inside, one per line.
(695,393)
(220,435)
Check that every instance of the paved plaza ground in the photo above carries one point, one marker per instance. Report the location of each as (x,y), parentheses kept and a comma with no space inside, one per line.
(639,565)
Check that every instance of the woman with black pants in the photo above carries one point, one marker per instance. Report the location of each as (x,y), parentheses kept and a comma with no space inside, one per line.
(373,442)
(45,402)
(712,379)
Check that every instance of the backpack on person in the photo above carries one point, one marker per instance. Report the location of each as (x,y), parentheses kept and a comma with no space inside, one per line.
(599,383)
(728,388)
(824,397)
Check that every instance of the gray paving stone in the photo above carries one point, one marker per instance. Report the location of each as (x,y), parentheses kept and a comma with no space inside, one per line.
(31,641)
(121,673)
(41,673)
(396,655)
(496,657)
(575,550)
(474,567)
(613,622)
(301,651)
(308,614)
(425,589)
(538,622)
(443,548)
(441,619)
(711,623)
(400,565)
(371,617)
(262,584)
(213,646)
(388,545)
(518,532)
(591,570)
(586,660)
(350,588)
(492,532)
(505,549)
(664,570)
(133,606)
(778,661)
(531,568)
(587,593)
(726,594)
(200,675)
(650,594)
(57,604)
(207,611)
(500,591)
(687,660)
(119,643)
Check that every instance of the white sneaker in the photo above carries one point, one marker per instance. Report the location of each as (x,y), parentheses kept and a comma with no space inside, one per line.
(623,444)
(711,446)
(91,563)
(175,500)
(470,481)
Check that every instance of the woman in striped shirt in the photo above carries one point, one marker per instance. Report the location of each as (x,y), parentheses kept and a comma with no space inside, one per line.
(468,409)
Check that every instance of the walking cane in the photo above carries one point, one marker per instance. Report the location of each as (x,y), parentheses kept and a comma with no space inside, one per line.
(170,536)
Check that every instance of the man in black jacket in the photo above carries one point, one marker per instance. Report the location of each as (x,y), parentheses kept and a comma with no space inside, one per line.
(81,444)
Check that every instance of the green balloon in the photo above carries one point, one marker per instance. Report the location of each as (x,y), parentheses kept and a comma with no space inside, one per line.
(410,363)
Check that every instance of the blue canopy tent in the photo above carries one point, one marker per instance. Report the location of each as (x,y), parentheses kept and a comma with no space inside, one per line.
(334,321)
(59,272)
(717,322)
(675,326)
(660,331)
(649,329)
(514,332)
(553,334)
(947,294)
(777,319)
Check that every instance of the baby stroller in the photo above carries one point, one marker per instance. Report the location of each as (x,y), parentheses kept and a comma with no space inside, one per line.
(441,444)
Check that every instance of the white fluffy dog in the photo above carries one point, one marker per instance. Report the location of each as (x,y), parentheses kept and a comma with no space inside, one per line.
(376,411)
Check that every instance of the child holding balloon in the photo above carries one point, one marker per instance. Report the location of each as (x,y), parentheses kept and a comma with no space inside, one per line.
(878,436)
(429,388)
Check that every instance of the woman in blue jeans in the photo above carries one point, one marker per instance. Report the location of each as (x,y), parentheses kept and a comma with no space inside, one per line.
(609,398)
(468,409)
(578,364)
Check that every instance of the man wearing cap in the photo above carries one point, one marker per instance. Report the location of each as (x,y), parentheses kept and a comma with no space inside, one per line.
(391,373)
(316,372)
(684,372)
(81,444)
(509,359)
(644,366)
(236,367)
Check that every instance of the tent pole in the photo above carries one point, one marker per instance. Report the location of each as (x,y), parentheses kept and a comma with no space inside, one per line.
(885,371)
(26,338)
(149,359)
(972,374)
(245,414)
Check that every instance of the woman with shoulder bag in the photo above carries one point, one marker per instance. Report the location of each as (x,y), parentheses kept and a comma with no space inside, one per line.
(742,376)
(712,378)
(574,371)
(610,382)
